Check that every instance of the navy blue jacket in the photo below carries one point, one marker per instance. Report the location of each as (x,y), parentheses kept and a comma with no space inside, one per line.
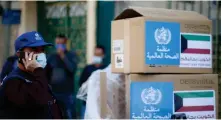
(61,72)
(9,65)
(27,95)
(87,71)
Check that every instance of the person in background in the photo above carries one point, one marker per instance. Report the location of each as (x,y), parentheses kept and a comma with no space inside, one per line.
(24,93)
(97,63)
(9,65)
(61,69)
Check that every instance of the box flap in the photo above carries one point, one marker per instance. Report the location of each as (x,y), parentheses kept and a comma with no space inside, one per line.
(128,13)
(132,12)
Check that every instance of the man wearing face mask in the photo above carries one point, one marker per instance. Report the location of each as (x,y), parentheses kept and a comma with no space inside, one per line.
(24,93)
(97,63)
(63,65)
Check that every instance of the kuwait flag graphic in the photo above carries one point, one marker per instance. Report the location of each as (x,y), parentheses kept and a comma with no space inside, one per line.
(194,101)
(195,43)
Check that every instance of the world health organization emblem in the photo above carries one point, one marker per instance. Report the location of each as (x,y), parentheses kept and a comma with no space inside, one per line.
(37,36)
(151,96)
(162,35)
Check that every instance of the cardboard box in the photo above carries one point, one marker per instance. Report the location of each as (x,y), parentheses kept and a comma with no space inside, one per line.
(160,96)
(150,40)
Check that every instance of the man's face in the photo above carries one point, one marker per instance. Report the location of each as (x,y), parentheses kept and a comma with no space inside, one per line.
(36,50)
(60,41)
(99,52)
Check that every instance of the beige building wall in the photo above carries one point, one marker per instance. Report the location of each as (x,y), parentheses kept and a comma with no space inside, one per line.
(28,23)
(29,16)
(13,34)
(14,29)
(91,30)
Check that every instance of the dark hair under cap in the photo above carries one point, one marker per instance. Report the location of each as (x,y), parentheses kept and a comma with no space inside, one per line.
(101,47)
(63,36)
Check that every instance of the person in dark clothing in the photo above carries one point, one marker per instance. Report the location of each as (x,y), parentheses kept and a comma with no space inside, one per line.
(25,92)
(97,63)
(62,66)
(9,65)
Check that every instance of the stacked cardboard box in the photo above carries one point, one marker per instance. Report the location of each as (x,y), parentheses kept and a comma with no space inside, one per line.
(166,56)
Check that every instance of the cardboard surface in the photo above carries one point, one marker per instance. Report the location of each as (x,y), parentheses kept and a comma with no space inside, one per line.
(158,12)
(149,40)
(168,86)
(118,108)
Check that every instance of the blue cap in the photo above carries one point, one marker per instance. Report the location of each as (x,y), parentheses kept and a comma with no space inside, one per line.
(30,39)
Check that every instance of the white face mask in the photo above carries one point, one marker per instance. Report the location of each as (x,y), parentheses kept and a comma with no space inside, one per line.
(97,60)
(41,59)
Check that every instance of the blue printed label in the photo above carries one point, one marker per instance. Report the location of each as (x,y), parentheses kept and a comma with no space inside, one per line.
(151,100)
(162,43)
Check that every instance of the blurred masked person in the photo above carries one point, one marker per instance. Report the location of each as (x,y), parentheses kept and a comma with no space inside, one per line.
(63,65)
(25,93)
(97,63)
